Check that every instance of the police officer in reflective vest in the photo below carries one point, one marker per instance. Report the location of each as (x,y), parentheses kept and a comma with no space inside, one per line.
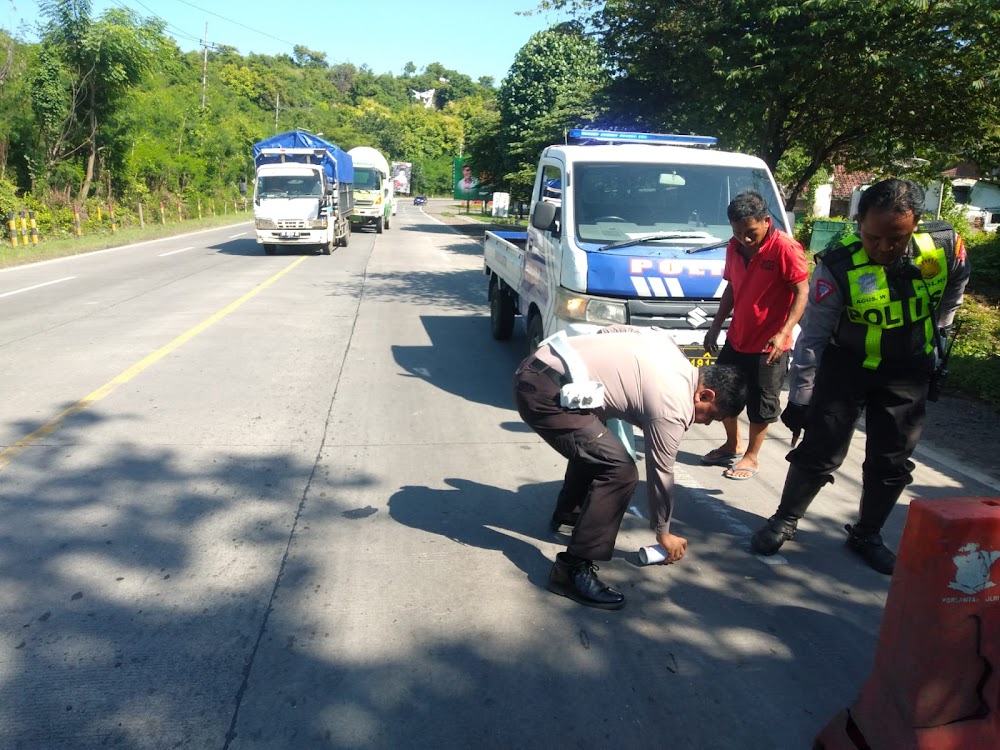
(880,304)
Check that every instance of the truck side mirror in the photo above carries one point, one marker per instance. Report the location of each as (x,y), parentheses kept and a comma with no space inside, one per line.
(544,216)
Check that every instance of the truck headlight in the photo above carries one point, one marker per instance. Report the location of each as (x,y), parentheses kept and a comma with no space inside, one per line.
(265,224)
(587,309)
(318,223)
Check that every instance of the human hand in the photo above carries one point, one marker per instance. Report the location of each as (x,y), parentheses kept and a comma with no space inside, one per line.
(712,341)
(675,546)
(795,417)
(775,348)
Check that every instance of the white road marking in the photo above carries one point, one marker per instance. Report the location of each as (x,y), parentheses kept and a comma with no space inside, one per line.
(173,252)
(37,286)
(235,235)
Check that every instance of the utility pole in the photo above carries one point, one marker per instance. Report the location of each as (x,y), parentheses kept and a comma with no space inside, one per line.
(204,67)
(277,108)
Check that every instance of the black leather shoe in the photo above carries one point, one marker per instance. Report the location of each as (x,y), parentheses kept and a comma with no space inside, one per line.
(580,583)
(773,534)
(871,549)
(559,520)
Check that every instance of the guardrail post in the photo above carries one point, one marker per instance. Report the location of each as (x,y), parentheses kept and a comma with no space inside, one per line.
(12,226)
(111,216)
(34,227)
(142,222)
(163,214)
(77,230)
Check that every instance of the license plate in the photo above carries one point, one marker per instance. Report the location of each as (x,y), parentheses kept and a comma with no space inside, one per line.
(698,356)
(288,235)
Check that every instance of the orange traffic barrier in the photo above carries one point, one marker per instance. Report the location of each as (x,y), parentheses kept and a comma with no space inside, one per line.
(935,682)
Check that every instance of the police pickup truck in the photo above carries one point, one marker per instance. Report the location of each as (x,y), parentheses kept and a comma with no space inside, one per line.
(624,228)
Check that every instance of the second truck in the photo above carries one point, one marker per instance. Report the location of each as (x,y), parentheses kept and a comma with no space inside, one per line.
(373,194)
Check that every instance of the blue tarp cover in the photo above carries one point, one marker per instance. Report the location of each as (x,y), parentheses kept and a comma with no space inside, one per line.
(337,163)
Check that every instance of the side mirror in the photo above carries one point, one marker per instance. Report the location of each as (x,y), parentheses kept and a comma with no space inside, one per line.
(544,216)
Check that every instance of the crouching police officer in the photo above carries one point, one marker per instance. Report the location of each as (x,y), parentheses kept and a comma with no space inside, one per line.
(880,304)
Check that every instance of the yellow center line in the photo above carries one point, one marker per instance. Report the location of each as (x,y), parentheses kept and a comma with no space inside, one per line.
(105,390)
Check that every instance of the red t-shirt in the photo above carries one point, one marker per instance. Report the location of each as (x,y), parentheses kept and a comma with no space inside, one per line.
(762,294)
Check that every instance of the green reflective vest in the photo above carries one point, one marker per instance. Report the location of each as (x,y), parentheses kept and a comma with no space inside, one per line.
(889,317)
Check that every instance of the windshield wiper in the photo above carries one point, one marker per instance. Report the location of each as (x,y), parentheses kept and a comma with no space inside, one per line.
(658,236)
(705,248)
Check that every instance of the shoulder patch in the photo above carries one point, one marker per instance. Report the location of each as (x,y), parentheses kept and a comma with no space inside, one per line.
(823,289)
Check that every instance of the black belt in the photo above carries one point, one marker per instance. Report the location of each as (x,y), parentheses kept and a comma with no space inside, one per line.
(536,365)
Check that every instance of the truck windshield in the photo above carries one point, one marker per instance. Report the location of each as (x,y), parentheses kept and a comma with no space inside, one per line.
(289,186)
(614,202)
(366,178)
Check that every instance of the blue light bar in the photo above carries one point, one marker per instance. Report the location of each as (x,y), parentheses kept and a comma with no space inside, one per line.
(615,136)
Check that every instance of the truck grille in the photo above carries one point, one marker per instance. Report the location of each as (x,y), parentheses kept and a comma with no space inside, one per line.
(675,315)
(291,224)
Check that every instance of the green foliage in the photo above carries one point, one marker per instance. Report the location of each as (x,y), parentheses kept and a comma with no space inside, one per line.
(870,82)
(984,258)
(552,85)
(974,368)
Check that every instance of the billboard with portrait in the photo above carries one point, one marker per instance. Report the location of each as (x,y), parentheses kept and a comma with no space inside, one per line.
(401,173)
(468,185)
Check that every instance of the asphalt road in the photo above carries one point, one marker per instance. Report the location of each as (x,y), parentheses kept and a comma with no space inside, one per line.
(284,501)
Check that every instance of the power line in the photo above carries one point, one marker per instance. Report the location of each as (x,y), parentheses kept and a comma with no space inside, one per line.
(248,28)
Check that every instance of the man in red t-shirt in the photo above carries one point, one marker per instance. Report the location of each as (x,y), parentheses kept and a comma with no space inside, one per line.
(767,293)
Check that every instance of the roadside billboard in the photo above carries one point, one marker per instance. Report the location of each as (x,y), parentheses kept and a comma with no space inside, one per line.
(468,186)
(401,173)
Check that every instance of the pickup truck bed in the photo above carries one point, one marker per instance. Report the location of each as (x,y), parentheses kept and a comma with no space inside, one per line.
(503,262)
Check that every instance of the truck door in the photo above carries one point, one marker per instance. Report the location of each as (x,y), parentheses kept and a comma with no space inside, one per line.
(543,253)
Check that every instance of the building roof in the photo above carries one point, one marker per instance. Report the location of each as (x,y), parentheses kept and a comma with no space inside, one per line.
(845,182)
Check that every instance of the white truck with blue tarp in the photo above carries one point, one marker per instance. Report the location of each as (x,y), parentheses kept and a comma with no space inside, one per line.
(624,228)
(302,193)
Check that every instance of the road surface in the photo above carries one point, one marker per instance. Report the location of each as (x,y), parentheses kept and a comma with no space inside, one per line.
(284,501)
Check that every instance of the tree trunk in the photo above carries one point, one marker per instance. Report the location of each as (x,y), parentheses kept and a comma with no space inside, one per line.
(92,156)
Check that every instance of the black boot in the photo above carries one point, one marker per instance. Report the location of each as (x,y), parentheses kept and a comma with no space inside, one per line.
(870,547)
(559,520)
(865,538)
(578,580)
(800,489)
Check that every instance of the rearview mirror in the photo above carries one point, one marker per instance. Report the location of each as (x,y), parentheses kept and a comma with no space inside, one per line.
(543,216)
(671,178)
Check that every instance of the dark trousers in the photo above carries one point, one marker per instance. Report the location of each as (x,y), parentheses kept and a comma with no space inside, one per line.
(600,476)
(894,404)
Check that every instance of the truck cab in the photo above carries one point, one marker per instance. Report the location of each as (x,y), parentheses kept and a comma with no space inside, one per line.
(374,199)
(627,228)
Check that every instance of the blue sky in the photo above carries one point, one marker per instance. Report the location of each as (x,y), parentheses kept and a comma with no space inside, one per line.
(473,37)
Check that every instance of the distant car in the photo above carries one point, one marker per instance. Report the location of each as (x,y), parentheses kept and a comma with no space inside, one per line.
(420,200)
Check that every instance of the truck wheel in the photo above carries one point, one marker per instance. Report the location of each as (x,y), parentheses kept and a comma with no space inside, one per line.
(345,239)
(268,249)
(378,228)
(536,332)
(501,312)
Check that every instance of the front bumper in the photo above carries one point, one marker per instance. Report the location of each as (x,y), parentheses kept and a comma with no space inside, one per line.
(292,236)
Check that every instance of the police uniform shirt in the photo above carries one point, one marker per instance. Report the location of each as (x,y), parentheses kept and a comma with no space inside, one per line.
(649,383)
(826,308)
